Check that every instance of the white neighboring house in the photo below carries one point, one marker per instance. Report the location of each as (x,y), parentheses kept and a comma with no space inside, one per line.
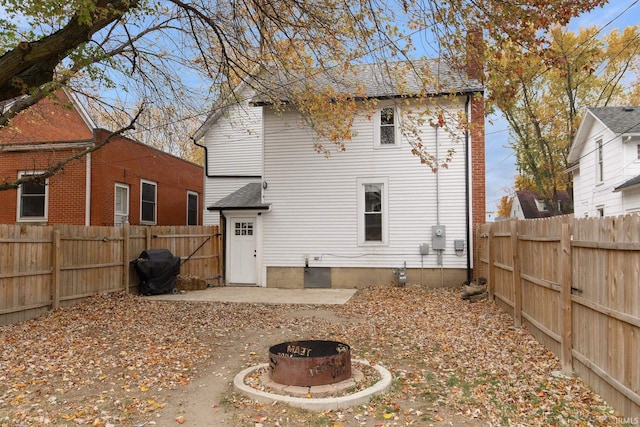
(606,153)
(528,204)
(293,218)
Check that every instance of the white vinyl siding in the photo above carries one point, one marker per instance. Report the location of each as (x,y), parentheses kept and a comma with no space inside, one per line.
(234,148)
(314,199)
(148,202)
(619,160)
(33,199)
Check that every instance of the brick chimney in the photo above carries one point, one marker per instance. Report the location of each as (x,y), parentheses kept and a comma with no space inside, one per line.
(475,53)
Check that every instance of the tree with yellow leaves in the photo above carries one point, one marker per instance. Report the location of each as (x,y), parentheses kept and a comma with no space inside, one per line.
(545,90)
(148,51)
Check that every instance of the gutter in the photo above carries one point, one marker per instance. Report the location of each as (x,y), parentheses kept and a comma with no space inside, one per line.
(206,165)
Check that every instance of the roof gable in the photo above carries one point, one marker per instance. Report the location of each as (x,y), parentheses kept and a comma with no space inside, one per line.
(620,120)
(61,119)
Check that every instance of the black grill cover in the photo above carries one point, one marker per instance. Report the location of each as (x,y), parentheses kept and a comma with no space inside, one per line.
(157,269)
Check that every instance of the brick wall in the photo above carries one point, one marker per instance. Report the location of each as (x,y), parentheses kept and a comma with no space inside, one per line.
(66,191)
(127,161)
(51,123)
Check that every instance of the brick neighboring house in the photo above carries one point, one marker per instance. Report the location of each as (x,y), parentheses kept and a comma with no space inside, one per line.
(123,181)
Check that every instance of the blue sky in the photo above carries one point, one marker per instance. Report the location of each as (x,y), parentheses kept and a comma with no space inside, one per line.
(500,162)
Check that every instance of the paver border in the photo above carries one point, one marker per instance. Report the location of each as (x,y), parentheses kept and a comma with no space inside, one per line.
(315,404)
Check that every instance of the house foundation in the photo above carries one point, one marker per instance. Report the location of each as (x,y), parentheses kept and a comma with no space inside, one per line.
(355,278)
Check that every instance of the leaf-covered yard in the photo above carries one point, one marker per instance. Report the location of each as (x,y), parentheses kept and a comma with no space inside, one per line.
(125,360)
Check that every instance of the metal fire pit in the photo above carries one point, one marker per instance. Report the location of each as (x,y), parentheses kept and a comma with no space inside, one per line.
(309,363)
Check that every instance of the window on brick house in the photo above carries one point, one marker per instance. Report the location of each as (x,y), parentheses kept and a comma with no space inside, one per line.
(192,208)
(148,202)
(121,204)
(33,199)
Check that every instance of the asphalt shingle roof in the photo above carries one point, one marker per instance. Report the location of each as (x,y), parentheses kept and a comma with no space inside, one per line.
(247,197)
(629,183)
(620,120)
(390,80)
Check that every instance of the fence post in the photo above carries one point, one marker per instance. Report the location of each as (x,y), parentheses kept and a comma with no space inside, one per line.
(55,270)
(517,283)
(565,298)
(491,273)
(125,256)
(147,244)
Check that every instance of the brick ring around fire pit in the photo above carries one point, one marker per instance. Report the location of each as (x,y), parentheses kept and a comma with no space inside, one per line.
(313,403)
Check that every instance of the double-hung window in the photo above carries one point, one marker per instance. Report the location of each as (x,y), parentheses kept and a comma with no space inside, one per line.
(121,204)
(386,132)
(599,162)
(373,208)
(192,208)
(33,199)
(148,202)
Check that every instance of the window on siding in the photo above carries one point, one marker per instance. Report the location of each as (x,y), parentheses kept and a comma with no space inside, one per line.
(121,204)
(372,211)
(600,161)
(600,211)
(148,202)
(32,199)
(192,208)
(386,124)
(638,151)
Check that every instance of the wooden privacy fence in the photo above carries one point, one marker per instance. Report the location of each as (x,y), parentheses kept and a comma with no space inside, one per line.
(575,284)
(45,267)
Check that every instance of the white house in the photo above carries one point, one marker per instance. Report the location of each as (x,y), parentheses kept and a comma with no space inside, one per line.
(295,218)
(528,204)
(606,153)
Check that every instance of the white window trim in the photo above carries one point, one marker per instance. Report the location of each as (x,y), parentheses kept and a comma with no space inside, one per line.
(376,128)
(115,195)
(155,205)
(361,182)
(193,193)
(45,218)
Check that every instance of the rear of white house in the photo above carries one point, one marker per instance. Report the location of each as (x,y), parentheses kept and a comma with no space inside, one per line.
(372,214)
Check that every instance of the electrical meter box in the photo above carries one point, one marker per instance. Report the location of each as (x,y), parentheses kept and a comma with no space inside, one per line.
(438,237)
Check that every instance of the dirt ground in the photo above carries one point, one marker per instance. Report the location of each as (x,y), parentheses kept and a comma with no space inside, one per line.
(121,360)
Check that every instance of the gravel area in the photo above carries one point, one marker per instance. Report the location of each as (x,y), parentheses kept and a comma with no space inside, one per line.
(123,360)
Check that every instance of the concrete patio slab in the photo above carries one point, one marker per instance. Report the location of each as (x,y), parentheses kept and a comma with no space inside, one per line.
(258,295)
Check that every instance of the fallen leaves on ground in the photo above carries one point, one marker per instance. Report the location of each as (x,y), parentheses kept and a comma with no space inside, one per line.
(113,360)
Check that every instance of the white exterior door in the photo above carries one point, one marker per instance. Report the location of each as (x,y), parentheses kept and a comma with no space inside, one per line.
(242,251)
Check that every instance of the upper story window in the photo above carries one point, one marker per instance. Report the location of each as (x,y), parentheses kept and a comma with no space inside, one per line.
(373,208)
(148,202)
(192,208)
(387,127)
(599,162)
(33,199)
